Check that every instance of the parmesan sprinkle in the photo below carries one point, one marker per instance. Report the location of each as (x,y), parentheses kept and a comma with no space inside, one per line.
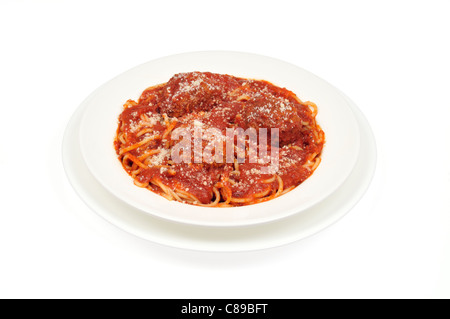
(159,158)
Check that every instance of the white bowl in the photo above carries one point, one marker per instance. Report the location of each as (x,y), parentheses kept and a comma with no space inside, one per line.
(99,124)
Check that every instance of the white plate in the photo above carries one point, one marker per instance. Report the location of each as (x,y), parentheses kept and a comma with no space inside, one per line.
(229,239)
(99,124)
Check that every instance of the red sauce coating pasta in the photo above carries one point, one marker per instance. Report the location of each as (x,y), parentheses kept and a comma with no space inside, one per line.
(216,101)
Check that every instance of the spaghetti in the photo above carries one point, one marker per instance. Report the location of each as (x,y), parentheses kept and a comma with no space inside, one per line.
(145,139)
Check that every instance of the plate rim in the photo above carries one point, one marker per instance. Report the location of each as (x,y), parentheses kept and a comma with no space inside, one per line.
(172,240)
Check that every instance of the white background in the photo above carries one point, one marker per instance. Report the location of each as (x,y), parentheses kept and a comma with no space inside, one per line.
(390,57)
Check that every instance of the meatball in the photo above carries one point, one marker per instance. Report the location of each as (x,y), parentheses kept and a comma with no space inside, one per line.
(195,91)
(267,111)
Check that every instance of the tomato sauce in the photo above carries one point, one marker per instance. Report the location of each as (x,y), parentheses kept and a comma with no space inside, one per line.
(208,100)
